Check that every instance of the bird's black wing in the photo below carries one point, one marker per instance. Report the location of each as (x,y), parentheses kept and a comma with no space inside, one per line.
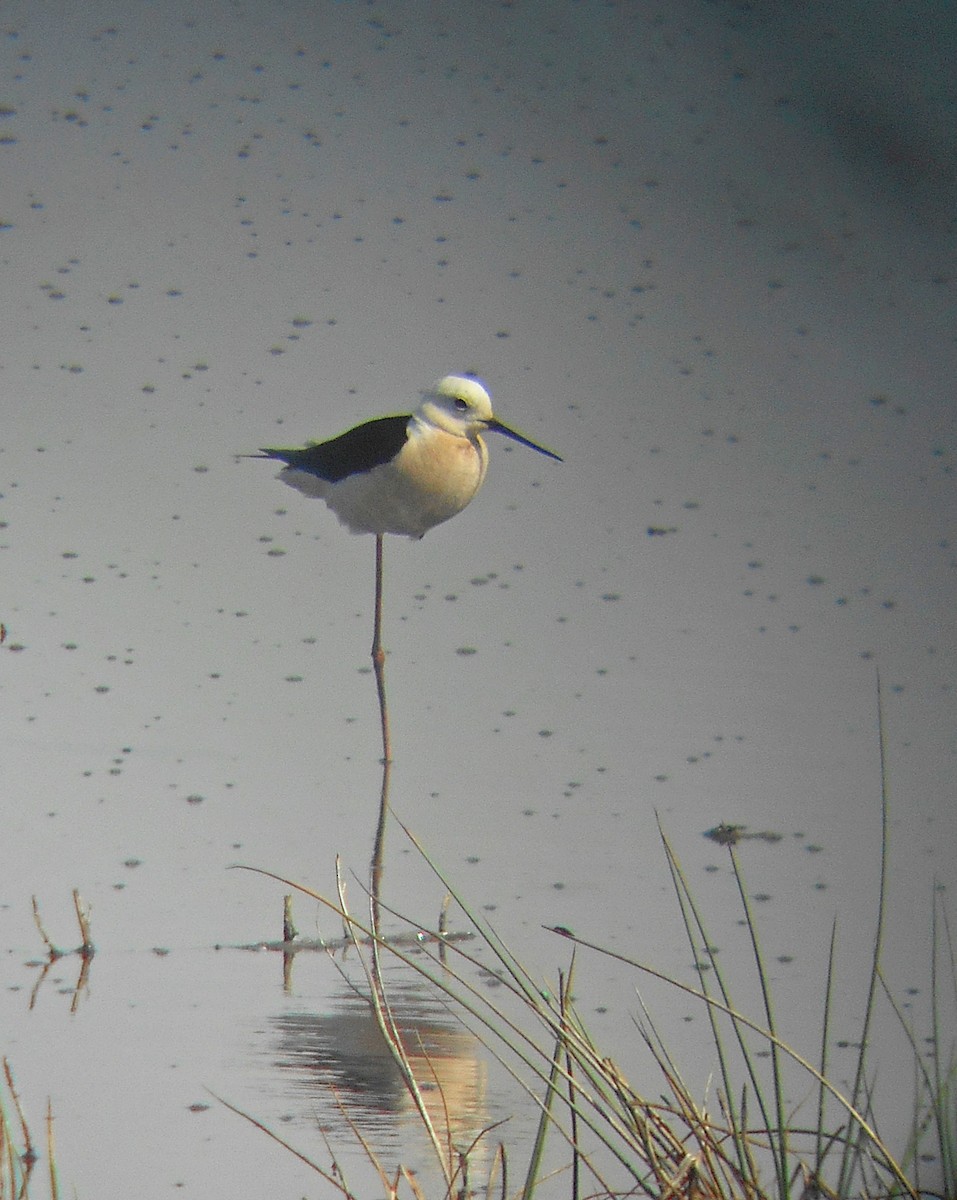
(369,445)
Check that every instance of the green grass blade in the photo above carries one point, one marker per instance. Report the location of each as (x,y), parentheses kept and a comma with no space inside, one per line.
(845,1176)
(878,1147)
(690,908)
(541,1133)
(822,1141)
(779,1141)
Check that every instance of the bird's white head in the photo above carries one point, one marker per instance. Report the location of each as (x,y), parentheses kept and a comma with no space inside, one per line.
(458,404)
(461,405)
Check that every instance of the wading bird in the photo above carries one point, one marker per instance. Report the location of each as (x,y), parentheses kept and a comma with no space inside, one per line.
(404,474)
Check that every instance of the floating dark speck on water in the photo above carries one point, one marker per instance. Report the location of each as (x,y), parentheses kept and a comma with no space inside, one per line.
(132,862)
(725,835)
(730,835)
(293,679)
(275,552)
(546,733)
(195,798)
(815,580)
(610,596)
(465,651)
(101,688)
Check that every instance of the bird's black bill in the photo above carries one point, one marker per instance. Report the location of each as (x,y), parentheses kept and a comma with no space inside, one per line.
(518,437)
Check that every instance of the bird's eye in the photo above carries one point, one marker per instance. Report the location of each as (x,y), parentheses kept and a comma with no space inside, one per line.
(461,405)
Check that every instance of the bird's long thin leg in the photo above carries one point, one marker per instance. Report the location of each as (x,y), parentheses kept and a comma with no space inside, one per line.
(378,665)
(378,654)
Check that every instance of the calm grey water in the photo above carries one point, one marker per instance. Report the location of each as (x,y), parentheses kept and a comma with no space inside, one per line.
(710,259)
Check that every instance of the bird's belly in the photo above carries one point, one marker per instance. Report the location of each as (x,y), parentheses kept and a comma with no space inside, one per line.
(423,486)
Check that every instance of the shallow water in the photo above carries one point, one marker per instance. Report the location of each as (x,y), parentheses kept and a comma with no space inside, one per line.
(657,240)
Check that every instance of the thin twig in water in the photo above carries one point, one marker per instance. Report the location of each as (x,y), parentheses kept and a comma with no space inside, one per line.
(51,1155)
(29,1155)
(86,947)
(53,952)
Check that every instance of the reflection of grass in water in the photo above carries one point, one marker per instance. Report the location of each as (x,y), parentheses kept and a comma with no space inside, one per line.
(617,1141)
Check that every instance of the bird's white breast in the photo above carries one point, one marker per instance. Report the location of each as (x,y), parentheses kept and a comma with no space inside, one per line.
(432,478)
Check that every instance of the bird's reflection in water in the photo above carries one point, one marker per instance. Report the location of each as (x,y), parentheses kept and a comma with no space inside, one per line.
(341,1057)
